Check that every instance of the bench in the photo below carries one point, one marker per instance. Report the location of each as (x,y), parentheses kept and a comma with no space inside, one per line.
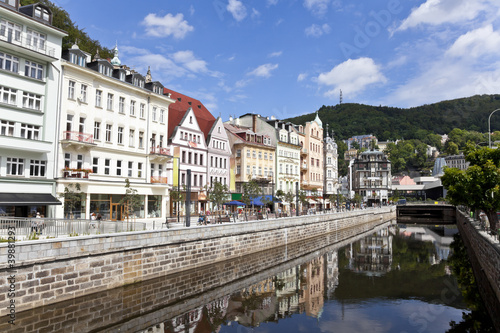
(167,221)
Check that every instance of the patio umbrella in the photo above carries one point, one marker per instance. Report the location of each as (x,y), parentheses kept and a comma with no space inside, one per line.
(234,203)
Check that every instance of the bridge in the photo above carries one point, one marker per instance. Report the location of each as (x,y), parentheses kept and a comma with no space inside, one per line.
(430,214)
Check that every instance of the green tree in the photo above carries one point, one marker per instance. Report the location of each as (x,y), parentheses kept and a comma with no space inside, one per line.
(73,197)
(218,194)
(251,190)
(451,148)
(478,187)
(290,198)
(131,199)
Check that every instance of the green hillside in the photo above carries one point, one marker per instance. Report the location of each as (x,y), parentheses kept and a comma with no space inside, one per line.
(389,123)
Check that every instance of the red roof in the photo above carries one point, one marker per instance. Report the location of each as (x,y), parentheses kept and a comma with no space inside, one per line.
(177,110)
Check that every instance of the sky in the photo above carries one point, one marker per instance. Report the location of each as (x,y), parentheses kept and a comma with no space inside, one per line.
(285,58)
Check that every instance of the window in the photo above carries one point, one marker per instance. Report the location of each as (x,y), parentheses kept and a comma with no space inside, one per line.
(120,135)
(35,39)
(67,160)
(7,128)
(98,98)
(37,168)
(95,165)
(118,168)
(10,30)
(32,101)
(34,70)
(79,161)
(139,170)
(83,93)
(42,13)
(141,110)
(97,130)
(211,161)
(260,155)
(238,153)
(121,105)
(201,159)
(183,178)
(9,63)
(107,163)
(141,140)
(15,166)
(254,170)
(189,157)
(131,138)
(8,95)
(81,128)
(109,129)
(183,157)
(201,180)
(109,104)
(131,168)
(190,119)
(195,180)
(132,108)
(248,170)
(162,116)
(195,158)
(30,132)
(254,155)
(71,89)
(238,169)
(270,156)
(260,171)
(153,113)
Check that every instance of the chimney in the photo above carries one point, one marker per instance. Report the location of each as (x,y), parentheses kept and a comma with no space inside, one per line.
(254,123)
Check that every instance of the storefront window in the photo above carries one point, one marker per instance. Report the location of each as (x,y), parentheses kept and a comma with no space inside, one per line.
(154,205)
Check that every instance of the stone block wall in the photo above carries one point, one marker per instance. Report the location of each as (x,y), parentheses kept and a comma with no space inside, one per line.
(484,255)
(54,270)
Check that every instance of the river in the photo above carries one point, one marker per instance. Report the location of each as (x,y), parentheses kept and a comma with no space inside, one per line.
(391,279)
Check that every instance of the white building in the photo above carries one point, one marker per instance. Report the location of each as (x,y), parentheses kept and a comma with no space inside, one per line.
(330,161)
(287,155)
(219,154)
(189,120)
(30,72)
(113,123)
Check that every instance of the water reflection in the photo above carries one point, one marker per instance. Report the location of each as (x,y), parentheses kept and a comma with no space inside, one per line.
(387,280)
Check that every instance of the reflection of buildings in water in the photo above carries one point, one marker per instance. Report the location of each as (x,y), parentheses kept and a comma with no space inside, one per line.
(312,295)
(372,255)
(441,238)
(287,291)
(331,260)
(158,328)
(200,319)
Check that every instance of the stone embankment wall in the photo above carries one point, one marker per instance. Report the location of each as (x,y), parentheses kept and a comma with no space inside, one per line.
(54,270)
(484,255)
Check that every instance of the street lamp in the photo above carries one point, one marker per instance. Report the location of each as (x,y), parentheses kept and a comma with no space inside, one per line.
(489,127)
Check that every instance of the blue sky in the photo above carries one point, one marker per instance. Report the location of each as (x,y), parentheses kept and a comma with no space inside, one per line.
(290,57)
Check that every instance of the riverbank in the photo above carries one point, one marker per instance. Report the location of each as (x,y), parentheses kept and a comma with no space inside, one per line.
(53,270)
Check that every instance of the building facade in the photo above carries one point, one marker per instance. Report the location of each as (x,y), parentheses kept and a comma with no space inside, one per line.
(112,127)
(330,173)
(371,177)
(30,74)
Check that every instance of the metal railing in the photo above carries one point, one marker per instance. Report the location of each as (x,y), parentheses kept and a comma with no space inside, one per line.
(33,228)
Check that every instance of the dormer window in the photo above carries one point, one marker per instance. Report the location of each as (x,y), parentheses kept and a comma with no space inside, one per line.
(12,3)
(42,13)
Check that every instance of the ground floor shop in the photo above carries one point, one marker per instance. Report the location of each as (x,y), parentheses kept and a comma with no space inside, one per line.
(27,198)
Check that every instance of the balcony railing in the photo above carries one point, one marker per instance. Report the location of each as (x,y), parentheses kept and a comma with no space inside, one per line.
(76,173)
(159,180)
(30,44)
(78,136)
(159,150)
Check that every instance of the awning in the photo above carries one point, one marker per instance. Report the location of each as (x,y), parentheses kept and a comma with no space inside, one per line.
(28,199)
(258,200)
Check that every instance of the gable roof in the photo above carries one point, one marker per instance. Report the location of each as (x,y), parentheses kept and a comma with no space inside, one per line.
(177,110)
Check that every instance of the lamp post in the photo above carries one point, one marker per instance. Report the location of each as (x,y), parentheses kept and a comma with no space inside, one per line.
(489,127)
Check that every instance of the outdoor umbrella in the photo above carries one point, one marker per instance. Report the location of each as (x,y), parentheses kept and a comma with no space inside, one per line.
(234,203)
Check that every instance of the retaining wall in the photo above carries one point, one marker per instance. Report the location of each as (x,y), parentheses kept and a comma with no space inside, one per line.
(54,270)
(484,256)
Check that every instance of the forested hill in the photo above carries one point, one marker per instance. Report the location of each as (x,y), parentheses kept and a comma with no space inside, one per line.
(389,123)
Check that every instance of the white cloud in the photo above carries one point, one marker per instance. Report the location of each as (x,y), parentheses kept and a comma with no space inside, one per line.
(189,61)
(352,76)
(255,13)
(237,9)
(301,77)
(316,30)
(191,10)
(476,43)
(272,2)
(275,54)
(263,70)
(437,12)
(317,7)
(167,25)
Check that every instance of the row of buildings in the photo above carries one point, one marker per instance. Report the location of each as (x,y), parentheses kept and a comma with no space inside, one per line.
(69,117)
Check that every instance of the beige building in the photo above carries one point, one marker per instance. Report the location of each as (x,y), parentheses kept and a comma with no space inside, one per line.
(253,154)
(311,164)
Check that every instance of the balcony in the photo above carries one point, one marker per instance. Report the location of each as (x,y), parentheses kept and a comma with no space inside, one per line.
(303,151)
(303,166)
(76,173)
(77,140)
(159,154)
(159,180)
(26,46)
